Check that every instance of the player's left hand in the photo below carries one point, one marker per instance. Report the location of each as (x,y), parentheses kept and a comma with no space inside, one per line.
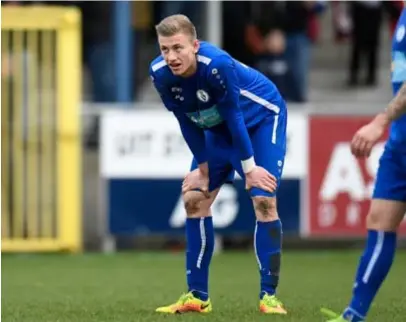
(196,179)
(366,137)
(260,178)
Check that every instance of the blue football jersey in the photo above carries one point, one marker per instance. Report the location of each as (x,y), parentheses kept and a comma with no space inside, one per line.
(397,136)
(224,96)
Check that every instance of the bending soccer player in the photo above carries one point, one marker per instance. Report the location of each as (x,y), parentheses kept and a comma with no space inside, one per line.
(388,205)
(233,119)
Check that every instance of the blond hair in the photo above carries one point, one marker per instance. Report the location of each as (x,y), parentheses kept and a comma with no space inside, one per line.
(175,24)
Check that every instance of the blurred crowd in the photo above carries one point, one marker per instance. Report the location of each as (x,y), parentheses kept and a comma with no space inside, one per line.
(278,36)
(274,36)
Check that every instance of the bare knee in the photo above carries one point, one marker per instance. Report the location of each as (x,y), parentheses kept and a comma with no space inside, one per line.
(265,208)
(197,205)
(192,206)
(385,215)
(376,221)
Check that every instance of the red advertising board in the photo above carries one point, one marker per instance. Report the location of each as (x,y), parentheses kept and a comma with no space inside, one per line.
(339,185)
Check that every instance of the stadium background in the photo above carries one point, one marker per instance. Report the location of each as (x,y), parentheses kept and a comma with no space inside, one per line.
(91,161)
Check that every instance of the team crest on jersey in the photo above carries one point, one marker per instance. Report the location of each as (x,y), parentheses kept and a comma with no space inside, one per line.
(202,95)
(400,33)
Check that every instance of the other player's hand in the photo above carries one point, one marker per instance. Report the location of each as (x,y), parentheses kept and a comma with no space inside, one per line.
(196,179)
(260,178)
(366,137)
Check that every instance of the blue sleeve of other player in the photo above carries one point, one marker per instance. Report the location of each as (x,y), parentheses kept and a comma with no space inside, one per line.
(224,80)
(194,137)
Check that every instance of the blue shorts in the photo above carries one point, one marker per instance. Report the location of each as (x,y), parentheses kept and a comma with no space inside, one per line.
(391,177)
(269,145)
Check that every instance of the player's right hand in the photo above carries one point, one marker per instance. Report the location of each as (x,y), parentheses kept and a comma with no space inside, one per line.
(260,178)
(366,137)
(196,179)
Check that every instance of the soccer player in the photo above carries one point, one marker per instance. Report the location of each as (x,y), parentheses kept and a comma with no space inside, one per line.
(388,205)
(233,119)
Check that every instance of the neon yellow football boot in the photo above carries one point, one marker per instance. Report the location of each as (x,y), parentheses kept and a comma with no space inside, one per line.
(270,304)
(187,303)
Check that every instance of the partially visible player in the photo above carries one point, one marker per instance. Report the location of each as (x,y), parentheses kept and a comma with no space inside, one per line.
(388,205)
(233,119)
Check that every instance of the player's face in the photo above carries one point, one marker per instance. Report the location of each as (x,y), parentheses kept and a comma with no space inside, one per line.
(179,52)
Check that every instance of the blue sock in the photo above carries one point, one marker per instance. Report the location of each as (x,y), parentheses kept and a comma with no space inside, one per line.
(200,246)
(373,267)
(268,246)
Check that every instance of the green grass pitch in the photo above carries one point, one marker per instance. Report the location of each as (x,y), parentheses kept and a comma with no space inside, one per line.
(128,287)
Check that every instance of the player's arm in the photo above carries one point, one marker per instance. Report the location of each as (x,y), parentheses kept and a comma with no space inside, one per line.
(193,135)
(395,109)
(224,80)
(367,136)
(397,106)
(195,139)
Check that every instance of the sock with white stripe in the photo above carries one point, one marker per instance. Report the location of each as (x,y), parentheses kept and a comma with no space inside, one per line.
(373,267)
(268,246)
(199,250)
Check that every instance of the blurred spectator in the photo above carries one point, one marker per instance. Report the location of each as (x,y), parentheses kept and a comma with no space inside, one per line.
(342,23)
(366,19)
(235,19)
(98,48)
(98,56)
(193,9)
(313,28)
(278,36)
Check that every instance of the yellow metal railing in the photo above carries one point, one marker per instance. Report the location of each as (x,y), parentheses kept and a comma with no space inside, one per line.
(40,129)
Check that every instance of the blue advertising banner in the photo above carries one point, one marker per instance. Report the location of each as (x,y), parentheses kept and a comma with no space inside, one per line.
(154,206)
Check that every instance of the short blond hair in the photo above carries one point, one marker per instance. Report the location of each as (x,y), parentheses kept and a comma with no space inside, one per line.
(175,24)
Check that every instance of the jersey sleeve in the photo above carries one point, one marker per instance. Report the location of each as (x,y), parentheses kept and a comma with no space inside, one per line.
(163,91)
(224,81)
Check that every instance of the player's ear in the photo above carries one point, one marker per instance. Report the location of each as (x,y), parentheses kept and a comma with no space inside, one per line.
(196,46)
